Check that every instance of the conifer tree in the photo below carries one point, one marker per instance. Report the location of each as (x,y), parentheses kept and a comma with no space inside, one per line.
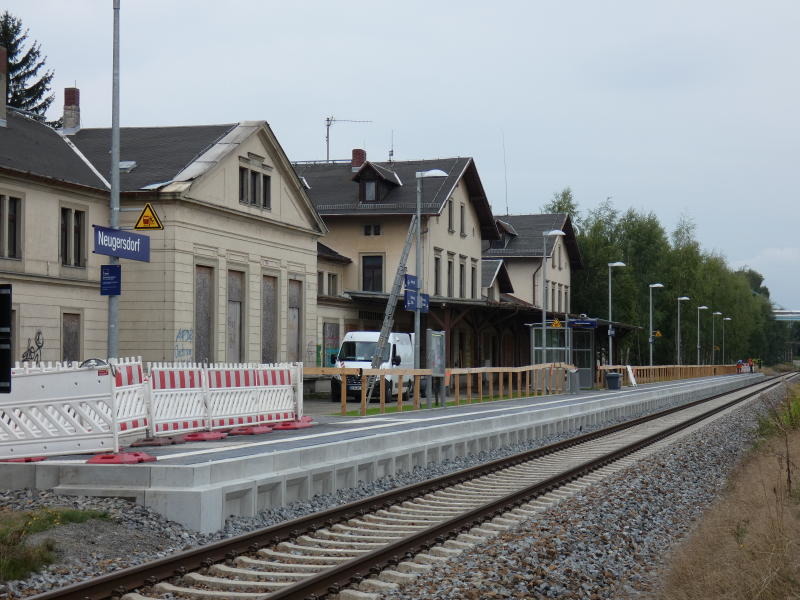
(26,89)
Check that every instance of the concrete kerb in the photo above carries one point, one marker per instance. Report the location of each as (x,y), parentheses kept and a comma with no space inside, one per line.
(203,496)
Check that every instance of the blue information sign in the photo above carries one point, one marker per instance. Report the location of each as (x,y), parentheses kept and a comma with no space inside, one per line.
(124,244)
(110,280)
(411,282)
(583,322)
(411,301)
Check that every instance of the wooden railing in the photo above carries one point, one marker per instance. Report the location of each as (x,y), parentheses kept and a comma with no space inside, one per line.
(463,385)
(652,374)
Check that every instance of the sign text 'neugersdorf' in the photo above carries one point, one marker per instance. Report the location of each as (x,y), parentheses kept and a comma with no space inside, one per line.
(124,244)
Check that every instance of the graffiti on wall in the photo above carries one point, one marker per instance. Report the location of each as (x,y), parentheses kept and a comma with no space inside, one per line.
(184,342)
(34,351)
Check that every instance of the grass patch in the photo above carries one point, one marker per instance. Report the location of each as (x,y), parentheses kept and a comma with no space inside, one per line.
(747,545)
(18,557)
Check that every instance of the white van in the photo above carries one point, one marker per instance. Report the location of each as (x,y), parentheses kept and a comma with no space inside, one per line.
(356,353)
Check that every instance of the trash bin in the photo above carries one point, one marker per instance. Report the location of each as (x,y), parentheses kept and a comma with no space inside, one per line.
(613,380)
(574,381)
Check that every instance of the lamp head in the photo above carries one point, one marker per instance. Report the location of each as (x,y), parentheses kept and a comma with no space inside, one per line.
(431,173)
(702,307)
(716,312)
(727,319)
(554,232)
(682,298)
(656,285)
(616,264)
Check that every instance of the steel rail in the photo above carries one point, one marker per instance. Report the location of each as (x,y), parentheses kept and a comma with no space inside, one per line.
(150,573)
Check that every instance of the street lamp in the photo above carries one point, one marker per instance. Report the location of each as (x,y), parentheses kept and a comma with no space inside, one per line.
(652,339)
(420,176)
(610,326)
(723,337)
(545,235)
(681,299)
(699,308)
(713,347)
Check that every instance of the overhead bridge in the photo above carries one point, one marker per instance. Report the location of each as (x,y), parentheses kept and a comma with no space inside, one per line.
(786,315)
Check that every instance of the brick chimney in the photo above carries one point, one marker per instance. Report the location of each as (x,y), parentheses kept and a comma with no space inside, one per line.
(359,158)
(72,111)
(3,84)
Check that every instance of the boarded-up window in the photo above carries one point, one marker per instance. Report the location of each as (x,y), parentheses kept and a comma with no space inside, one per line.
(235,323)
(203,314)
(372,273)
(70,337)
(294,315)
(269,319)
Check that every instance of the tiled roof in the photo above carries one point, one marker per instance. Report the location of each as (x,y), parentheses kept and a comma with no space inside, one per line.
(329,253)
(28,146)
(333,191)
(160,152)
(527,241)
(492,270)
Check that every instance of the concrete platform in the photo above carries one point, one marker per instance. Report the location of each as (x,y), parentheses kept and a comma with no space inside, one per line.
(201,484)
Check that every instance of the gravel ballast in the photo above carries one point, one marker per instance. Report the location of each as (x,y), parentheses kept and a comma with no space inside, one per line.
(580,548)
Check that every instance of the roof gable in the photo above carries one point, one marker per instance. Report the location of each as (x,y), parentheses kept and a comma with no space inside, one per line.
(529,240)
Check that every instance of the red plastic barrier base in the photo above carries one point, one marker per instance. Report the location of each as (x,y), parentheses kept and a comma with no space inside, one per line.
(24,460)
(205,436)
(121,458)
(302,423)
(160,441)
(250,430)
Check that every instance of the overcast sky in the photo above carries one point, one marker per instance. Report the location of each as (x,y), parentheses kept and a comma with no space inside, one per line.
(680,107)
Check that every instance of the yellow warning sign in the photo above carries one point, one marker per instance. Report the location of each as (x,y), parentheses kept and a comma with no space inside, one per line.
(148,219)
(556,323)
(658,333)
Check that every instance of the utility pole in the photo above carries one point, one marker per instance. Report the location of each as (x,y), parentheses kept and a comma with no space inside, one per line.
(328,122)
(113,301)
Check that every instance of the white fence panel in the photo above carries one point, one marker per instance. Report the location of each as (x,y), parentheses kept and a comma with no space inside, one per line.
(56,410)
(130,397)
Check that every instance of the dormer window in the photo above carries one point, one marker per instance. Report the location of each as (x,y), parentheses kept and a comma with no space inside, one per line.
(370,193)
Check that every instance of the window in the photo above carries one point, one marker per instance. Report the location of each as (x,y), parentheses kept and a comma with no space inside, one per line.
(450,216)
(462,279)
(559,258)
(566,298)
(254,188)
(73,237)
(474,280)
(266,192)
(552,296)
(372,229)
(372,273)
(70,337)
(369,191)
(10,215)
(559,297)
(333,284)
(203,313)
(450,275)
(463,224)
(437,275)
(243,175)
(320,283)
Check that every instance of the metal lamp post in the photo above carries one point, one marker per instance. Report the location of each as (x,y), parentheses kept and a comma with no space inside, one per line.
(545,235)
(652,339)
(723,336)
(699,308)
(713,346)
(681,299)
(610,326)
(417,341)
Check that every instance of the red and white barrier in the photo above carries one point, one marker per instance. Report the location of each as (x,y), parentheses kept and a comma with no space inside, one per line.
(130,396)
(177,398)
(240,395)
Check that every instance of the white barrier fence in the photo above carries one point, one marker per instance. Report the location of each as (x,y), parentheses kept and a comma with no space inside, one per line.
(61,408)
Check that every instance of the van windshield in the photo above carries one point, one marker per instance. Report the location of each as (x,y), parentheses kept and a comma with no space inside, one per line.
(361,351)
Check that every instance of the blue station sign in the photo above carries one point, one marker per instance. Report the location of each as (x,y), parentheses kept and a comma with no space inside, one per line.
(110,280)
(411,282)
(592,323)
(123,244)
(411,301)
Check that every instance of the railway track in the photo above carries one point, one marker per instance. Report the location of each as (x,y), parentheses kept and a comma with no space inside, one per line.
(360,550)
